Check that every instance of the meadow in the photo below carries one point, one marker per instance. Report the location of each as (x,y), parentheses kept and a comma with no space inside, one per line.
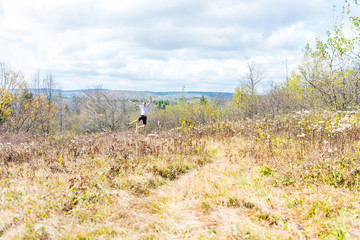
(280,164)
(291,176)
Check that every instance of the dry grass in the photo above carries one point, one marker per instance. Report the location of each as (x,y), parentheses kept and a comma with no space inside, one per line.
(53,187)
(289,177)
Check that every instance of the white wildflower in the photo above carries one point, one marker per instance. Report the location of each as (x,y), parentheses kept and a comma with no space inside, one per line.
(345,125)
(338,130)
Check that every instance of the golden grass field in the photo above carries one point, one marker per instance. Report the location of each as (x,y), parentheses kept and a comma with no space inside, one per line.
(287,177)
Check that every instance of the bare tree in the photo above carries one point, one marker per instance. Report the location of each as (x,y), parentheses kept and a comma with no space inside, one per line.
(286,68)
(36,83)
(254,76)
(246,98)
(50,86)
(104,108)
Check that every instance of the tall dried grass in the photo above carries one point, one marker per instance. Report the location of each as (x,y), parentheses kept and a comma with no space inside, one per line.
(291,176)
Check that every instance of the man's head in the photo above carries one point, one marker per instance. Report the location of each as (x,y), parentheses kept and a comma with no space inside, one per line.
(144,104)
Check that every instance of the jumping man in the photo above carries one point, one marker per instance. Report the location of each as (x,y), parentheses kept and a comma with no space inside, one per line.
(143,109)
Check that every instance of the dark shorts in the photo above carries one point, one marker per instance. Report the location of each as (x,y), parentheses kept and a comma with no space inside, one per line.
(143,118)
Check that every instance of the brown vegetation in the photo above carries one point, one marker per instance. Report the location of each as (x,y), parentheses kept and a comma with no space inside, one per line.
(295,176)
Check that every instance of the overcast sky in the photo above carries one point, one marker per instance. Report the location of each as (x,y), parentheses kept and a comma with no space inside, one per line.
(158,45)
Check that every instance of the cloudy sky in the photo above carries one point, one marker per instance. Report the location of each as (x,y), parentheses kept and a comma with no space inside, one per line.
(158,45)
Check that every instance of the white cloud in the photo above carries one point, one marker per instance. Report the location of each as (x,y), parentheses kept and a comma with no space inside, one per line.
(289,38)
(161,44)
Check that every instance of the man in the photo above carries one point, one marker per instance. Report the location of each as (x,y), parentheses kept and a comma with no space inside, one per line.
(143,109)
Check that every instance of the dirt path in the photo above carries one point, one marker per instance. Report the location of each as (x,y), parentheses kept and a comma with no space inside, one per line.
(175,211)
(209,202)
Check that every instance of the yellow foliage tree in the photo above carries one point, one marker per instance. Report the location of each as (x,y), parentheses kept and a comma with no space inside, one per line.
(32,113)
(11,84)
(21,110)
(245,100)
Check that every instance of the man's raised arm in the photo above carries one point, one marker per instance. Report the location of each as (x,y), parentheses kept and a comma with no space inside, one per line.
(150,101)
(132,102)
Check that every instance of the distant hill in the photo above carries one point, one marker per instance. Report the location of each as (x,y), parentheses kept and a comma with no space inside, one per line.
(193,94)
(140,95)
(129,94)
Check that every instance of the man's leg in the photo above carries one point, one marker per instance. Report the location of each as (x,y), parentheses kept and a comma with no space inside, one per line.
(135,121)
(144,122)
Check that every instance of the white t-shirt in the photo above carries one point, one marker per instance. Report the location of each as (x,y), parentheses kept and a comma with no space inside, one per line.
(143,109)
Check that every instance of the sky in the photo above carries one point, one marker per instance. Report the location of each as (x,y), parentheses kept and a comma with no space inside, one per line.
(159,45)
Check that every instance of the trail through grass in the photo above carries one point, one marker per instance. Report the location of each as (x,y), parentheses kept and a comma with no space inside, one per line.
(232,199)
